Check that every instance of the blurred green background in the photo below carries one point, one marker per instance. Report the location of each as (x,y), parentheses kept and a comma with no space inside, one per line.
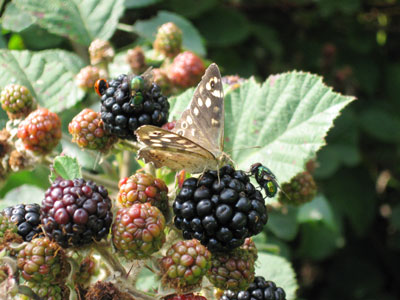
(355,46)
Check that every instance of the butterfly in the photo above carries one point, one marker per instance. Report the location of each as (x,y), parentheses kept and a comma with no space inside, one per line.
(196,142)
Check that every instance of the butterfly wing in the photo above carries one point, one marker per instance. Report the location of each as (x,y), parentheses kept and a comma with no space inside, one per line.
(203,120)
(166,148)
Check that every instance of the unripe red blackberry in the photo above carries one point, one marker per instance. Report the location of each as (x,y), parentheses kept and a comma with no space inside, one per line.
(46,291)
(41,261)
(101,51)
(142,188)
(87,130)
(184,265)
(220,211)
(260,289)
(27,218)
(168,40)
(186,70)
(17,101)
(169,126)
(138,231)
(40,132)
(87,77)
(234,270)
(301,189)
(76,212)
(190,296)
(136,60)
(132,101)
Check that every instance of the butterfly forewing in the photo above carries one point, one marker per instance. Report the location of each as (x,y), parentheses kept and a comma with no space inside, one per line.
(203,120)
(166,148)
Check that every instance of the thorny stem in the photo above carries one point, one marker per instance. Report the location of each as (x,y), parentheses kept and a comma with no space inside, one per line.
(111,185)
(128,145)
(101,248)
(138,295)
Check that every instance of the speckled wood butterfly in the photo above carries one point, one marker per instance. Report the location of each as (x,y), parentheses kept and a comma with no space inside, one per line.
(196,143)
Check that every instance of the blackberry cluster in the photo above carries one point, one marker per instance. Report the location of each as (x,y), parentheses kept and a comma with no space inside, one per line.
(27,218)
(128,104)
(260,289)
(220,212)
(74,212)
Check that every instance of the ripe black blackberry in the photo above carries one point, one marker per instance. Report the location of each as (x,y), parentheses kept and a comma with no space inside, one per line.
(130,102)
(76,212)
(27,218)
(260,289)
(220,212)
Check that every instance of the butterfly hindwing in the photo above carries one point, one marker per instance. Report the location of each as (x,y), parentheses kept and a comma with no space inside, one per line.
(203,120)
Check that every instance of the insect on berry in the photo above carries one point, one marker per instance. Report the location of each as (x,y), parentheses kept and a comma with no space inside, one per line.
(265,178)
(101,86)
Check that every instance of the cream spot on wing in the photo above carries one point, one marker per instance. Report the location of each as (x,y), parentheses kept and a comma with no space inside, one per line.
(189,120)
(170,135)
(154,141)
(208,102)
(201,89)
(196,111)
(216,109)
(200,102)
(164,139)
(193,131)
(217,93)
(214,122)
(208,86)
(157,145)
(191,146)
(184,125)
(181,142)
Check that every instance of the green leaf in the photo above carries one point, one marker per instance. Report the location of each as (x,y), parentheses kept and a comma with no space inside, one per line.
(15,42)
(284,226)
(139,3)
(67,167)
(15,19)
(87,159)
(287,117)
(48,75)
(381,124)
(318,210)
(3,43)
(395,217)
(191,37)
(147,281)
(190,8)
(224,27)
(81,21)
(279,270)
(23,194)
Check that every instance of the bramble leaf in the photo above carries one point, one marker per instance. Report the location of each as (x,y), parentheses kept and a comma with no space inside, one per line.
(287,118)
(81,21)
(67,167)
(49,75)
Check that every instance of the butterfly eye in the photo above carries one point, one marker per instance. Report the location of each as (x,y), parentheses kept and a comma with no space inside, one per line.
(212,84)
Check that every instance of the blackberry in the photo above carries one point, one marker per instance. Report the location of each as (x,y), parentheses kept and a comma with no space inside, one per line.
(138,231)
(168,40)
(76,212)
(184,265)
(220,212)
(186,70)
(17,101)
(27,218)
(234,270)
(136,59)
(87,77)
(260,289)
(100,51)
(301,189)
(47,291)
(130,102)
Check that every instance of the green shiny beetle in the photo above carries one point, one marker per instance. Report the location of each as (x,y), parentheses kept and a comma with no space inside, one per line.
(265,178)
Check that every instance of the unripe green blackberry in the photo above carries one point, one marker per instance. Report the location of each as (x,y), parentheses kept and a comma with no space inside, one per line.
(260,289)
(136,60)
(184,265)
(17,101)
(101,51)
(168,40)
(87,130)
(301,189)
(138,231)
(46,291)
(186,70)
(87,77)
(160,77)
(142,188)
(40,132)
(234,270)
(41,261)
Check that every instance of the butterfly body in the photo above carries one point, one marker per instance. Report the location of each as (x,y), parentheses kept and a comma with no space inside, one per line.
(265,178)
(196,142)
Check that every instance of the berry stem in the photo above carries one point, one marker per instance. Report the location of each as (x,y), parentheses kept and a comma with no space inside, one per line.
(128,145)
(109,184)
(124,170)
(102,249)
